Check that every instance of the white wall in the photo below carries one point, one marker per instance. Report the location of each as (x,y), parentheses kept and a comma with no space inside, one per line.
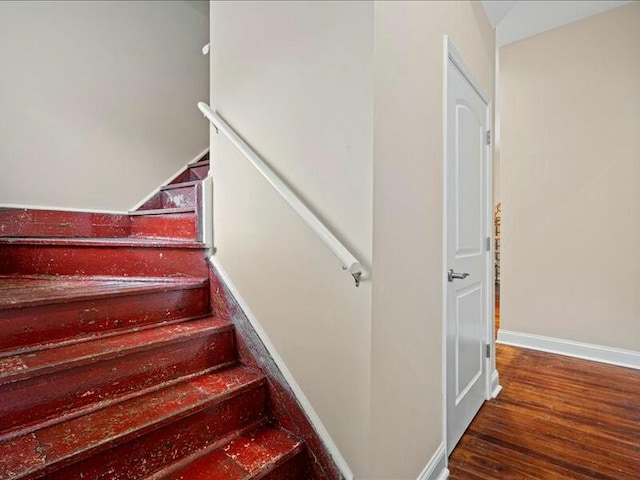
(295,80)
(407,388)
(98,99)
(570,131)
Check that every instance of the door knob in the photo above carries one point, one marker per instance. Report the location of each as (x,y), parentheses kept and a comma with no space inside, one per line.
(456,276)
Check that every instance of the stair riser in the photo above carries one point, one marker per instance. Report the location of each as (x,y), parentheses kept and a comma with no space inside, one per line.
(51,396)
(179,225)
(179,197)
(146,454)
(153,203)
(32,326)
(192,174)
(104,260)
(55,223)
(199,173)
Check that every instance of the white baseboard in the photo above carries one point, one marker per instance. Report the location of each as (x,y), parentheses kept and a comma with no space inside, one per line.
(304,401)
(496,388)
(585,351)
(62,209)
(174,175)
(436,469)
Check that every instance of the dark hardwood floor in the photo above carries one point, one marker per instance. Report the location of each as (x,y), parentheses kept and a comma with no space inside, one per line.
(556,418)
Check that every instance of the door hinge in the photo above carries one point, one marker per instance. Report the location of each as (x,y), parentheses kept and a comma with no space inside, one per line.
(488,244)
(488,137)
(488,350)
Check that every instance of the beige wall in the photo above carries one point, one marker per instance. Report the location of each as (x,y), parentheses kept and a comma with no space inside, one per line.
(406,395)
(570,132)
(98,100)
(295,80)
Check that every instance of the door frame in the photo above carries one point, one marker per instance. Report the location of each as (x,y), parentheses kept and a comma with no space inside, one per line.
(492,383)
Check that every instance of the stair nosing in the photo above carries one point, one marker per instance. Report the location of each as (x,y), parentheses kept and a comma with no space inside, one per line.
(75,362)
(111,242)
(144,428)
(184,283)
(36,347)
(199,163)
(163,211)
(173,186)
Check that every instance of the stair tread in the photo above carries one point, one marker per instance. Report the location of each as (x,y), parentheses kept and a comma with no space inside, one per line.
(248,456)
(28,365)
(173,186)
(163,211)
(61,444)
(144,242)
(29,291)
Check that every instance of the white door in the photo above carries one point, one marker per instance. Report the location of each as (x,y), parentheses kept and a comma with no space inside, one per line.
(466,265)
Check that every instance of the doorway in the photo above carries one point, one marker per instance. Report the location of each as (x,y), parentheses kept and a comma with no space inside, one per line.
(468,263)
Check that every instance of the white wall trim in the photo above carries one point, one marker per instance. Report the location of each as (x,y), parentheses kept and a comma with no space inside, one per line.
(585,351)
(460,64)
(62,209)
(321,430)
(496,388)
(445,56)
(436,469)
(166,182)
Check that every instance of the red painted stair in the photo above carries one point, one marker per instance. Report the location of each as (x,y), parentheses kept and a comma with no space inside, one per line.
(138,257)
(36,312)
(114,364)
(267,453)
(204,408)
(90,375)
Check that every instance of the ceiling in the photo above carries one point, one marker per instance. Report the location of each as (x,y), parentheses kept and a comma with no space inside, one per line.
(517,20)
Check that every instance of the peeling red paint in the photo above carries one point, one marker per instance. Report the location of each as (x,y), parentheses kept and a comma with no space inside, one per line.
(282,402)
(115,362)
(84,377)
(54,223)
(266,452)
(21,454)
(133,257)
(69,313)
(174,225)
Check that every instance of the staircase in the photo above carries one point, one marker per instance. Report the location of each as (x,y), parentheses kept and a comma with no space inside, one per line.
(112,364)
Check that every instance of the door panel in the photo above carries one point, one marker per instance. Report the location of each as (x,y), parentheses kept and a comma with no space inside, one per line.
(467,176)
(466,253)
(468,340)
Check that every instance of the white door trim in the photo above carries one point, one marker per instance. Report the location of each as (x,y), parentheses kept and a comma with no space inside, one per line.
(492,383)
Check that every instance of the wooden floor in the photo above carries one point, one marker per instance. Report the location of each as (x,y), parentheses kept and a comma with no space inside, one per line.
(556,418)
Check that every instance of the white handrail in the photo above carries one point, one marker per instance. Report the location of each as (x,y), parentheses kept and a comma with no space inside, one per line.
(349,262)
